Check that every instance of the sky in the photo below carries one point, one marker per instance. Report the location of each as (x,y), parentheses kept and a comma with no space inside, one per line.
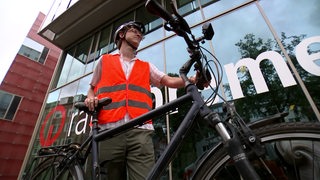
(16,19)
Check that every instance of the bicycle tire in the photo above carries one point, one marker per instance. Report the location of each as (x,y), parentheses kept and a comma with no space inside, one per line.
(48,170)
(282,164)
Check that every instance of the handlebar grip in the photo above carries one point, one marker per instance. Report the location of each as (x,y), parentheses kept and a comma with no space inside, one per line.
(102,102)
(81,106)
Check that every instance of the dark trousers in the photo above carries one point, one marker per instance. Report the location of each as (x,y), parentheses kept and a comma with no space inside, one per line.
(127,156)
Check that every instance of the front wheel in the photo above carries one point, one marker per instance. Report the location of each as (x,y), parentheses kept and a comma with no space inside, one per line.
(292,152)
(52,168)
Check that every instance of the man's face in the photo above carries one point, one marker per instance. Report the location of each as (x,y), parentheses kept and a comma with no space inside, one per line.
(134,36)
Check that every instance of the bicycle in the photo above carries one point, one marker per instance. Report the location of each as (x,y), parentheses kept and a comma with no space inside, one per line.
(264,149)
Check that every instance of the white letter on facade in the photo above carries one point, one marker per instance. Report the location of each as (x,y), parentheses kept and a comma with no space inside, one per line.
(158,96)
(71,122)
(306,60)
(256,74)
(84,122)
(280,66)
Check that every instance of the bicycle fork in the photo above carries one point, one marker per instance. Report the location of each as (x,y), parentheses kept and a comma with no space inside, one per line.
(234,148)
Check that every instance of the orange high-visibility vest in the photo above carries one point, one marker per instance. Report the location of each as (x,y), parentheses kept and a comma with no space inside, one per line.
(130,95)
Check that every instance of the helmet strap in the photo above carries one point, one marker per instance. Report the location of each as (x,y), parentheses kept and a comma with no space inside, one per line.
(132,46)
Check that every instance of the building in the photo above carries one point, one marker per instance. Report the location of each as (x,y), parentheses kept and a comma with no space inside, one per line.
(267,50)
(22,93)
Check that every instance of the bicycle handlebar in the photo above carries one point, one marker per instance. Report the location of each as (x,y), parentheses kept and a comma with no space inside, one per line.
(179,25)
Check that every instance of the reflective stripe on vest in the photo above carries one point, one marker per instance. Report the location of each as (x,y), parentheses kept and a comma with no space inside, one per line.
(132,95)
(133,103)
(123,87)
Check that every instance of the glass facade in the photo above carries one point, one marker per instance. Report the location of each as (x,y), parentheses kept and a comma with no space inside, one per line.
(269,51)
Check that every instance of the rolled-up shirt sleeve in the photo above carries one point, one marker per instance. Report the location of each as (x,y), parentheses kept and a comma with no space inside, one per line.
(155,75)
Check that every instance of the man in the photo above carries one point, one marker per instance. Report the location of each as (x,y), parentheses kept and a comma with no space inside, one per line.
(126,79)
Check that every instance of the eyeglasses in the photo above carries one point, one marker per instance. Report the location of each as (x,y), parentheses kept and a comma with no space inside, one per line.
(136,31)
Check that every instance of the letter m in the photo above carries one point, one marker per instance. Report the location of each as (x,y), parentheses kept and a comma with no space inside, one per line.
(256,74)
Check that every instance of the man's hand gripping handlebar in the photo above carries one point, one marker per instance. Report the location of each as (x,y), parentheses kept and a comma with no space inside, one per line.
(101,102)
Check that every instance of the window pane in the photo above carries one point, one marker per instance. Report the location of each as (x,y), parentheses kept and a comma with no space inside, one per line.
(65,65)
(80,60)
(43,55)
(181,3)
(154,55)
(5,100)
(13,107)
(215,7)
(176,54)
(29,53)
(103,46)
(92,56)
(186,6)
(293,17)
(67,93)
(83,88)
(53,96)
(152,37)
(242,36)
(194,18)
(82,50)
(232,29)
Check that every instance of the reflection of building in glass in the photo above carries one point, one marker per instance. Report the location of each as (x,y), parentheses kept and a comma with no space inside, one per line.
(61,118)
(246,32)
(22,93)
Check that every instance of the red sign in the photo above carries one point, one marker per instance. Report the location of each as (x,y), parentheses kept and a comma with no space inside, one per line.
(51,138)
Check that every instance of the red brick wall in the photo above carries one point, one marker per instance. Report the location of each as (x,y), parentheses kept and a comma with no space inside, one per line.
(30,80)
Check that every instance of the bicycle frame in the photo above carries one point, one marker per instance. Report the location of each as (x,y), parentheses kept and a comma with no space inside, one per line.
(198,107)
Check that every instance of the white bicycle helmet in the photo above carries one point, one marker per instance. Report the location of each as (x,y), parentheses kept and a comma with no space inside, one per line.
(124,27)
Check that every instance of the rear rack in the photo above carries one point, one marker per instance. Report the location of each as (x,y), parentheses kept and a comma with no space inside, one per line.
(59,150)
